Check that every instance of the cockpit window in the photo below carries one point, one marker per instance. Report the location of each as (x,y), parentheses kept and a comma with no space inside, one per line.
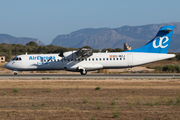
(17,58)
(14,58)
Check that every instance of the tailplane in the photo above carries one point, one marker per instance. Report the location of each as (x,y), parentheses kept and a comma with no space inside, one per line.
(160,44)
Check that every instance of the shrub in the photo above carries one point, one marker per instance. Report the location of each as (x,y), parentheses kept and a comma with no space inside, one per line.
(177,100)
(92,118)
(138,100)
(97,88)
(131,103)
(170,101)
(157,102)
(146,118)
(98,105)
(42,104)
(4,93)
(151,104)
(68,91)
(85,100)
(115,113)
(170,68)
(47,90)
(113,103)
(167,68)
(15,90)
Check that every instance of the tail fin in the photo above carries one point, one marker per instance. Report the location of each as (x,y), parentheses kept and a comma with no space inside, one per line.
(160,43)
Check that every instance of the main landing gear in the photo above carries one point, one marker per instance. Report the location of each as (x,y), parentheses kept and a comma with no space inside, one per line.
(15,72)
(83,72)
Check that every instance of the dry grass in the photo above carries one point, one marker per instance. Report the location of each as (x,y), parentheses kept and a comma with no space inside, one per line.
(117,99)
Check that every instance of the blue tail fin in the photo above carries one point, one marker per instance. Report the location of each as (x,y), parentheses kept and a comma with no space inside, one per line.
(159,44)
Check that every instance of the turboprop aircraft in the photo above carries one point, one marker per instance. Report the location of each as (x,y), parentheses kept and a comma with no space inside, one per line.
(84,60)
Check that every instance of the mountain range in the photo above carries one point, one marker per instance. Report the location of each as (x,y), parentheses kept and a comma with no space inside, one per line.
(99,38)
(5,38)
(135,36)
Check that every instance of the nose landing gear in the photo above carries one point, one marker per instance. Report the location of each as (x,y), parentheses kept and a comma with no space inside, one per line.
(15,72)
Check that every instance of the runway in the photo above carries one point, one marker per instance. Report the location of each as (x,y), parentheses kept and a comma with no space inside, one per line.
(92,76)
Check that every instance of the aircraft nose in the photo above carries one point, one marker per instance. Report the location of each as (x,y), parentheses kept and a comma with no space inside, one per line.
(7,65)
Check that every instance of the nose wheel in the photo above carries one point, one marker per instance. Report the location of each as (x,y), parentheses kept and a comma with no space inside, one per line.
(15,72)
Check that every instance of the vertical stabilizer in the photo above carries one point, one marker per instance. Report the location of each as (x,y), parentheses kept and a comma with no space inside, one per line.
(160,44)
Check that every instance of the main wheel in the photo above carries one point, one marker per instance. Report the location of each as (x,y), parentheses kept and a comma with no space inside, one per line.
(83,72)
(15,73)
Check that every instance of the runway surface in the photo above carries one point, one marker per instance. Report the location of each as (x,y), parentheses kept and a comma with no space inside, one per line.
(71,76)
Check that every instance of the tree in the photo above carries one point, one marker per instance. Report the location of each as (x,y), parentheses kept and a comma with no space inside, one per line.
(32,43)
(88,47)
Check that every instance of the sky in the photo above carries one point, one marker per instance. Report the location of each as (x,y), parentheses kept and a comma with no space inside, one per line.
(46,19)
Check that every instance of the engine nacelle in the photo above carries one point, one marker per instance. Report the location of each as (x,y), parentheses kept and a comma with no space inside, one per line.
(83,52)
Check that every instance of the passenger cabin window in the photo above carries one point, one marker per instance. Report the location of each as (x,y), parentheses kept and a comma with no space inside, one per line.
(89,59)
(113,58)
(117,58)
(96,59)
(103,58)
(93,59)
(99,58)
(107,59)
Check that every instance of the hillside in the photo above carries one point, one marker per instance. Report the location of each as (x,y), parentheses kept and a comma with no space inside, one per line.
(5,38)
(135,36)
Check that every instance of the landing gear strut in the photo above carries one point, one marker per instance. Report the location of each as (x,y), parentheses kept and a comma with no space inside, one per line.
(83,72)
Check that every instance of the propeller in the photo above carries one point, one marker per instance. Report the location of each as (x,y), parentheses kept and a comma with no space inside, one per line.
(61,54)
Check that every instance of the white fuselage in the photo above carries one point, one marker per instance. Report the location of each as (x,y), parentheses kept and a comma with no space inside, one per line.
(112,60)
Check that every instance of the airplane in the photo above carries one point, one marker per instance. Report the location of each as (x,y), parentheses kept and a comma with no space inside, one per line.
(84,60)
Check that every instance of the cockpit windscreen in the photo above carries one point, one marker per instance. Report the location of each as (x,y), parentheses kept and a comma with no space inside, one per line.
(17,58)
